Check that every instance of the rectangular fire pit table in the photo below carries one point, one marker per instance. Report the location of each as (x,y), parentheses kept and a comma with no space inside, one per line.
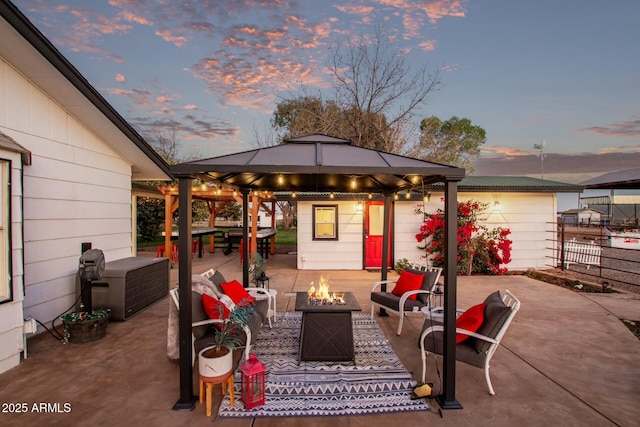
(326,333)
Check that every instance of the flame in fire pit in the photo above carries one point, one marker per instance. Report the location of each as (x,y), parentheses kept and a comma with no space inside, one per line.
(322,294)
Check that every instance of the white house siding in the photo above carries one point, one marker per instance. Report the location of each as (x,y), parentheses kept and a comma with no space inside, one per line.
(343,254)
(76,190)
(11,312)
(529,216)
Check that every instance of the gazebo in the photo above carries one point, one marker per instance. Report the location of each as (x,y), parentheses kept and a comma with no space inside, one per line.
(310,164)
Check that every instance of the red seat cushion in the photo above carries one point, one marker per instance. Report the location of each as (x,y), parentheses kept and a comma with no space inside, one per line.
(214,308)
(408,281)
(470,320)
(237,293)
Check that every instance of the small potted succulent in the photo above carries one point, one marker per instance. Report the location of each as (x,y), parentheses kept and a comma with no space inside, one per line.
(216,362)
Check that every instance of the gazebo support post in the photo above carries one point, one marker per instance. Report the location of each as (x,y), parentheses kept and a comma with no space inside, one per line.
(245,237)
(187,401)
(385,247)
(447,400)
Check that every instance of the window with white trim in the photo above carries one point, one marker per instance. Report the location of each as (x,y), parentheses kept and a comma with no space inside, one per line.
(5,229)
(325,222)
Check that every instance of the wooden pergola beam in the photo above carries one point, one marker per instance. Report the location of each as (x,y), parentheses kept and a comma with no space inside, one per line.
(212,195)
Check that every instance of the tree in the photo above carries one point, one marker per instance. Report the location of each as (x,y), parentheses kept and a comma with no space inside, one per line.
(455,142)
(231,211)
(306,115)
(150,216)
(377,91)
(288,210)
(375,95)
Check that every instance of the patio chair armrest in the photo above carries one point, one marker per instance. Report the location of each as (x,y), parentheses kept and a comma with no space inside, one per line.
(428,331)
(440,328)
(208,322)
(247,349)
(440,310)
(408,294)
(209,273)
(382,282)
(476,335)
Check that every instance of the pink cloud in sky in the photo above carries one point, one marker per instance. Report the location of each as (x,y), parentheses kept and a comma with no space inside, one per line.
(94,23)
(621,149)
(450,68)
(428,45)
(168,36)
(509,152)
(355,9)
(627,128)
(120,78)
(133,17)
(413,13)
(190,107)
(436,10)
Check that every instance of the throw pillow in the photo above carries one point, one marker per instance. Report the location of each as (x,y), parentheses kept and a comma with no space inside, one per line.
(495,315)
(470,320)
(429,279)
(408,281)
(237,293)
(214,308)
(218,279)
(227,301)
(198,314)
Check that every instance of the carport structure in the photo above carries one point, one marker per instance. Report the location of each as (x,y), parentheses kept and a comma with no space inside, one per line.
(310,164)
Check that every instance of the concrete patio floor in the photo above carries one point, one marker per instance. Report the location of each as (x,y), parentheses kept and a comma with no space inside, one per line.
(566,360)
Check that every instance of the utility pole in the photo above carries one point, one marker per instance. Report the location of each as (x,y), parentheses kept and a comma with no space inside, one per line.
(540,148)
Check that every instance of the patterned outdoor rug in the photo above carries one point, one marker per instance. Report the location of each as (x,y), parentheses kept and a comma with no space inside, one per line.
(378,383)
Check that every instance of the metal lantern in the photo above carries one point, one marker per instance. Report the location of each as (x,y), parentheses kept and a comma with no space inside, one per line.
(253,382)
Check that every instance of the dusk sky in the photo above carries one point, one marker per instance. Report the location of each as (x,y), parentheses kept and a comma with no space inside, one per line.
(566,71)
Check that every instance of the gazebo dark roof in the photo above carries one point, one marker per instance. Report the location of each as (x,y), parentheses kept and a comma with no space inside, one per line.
(319,163)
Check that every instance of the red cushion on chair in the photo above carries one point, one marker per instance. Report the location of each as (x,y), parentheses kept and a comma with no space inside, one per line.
(214,308)
(470,320)
(237,292)
(408,282)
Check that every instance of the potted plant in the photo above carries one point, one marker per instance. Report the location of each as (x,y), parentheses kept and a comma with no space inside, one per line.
(215,363)
(85,326)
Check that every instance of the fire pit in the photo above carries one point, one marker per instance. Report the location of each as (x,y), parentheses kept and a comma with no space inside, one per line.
(326,332)
(322,296)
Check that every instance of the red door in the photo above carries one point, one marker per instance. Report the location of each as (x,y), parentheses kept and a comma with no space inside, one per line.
(373,235)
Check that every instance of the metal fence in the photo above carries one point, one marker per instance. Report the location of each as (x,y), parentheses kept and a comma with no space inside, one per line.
(602,257)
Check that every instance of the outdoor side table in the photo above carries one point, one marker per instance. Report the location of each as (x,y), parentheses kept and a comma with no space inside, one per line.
(431,313)
(269,294)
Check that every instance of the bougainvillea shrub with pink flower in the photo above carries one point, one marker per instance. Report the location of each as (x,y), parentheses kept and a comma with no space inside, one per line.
(480,250)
